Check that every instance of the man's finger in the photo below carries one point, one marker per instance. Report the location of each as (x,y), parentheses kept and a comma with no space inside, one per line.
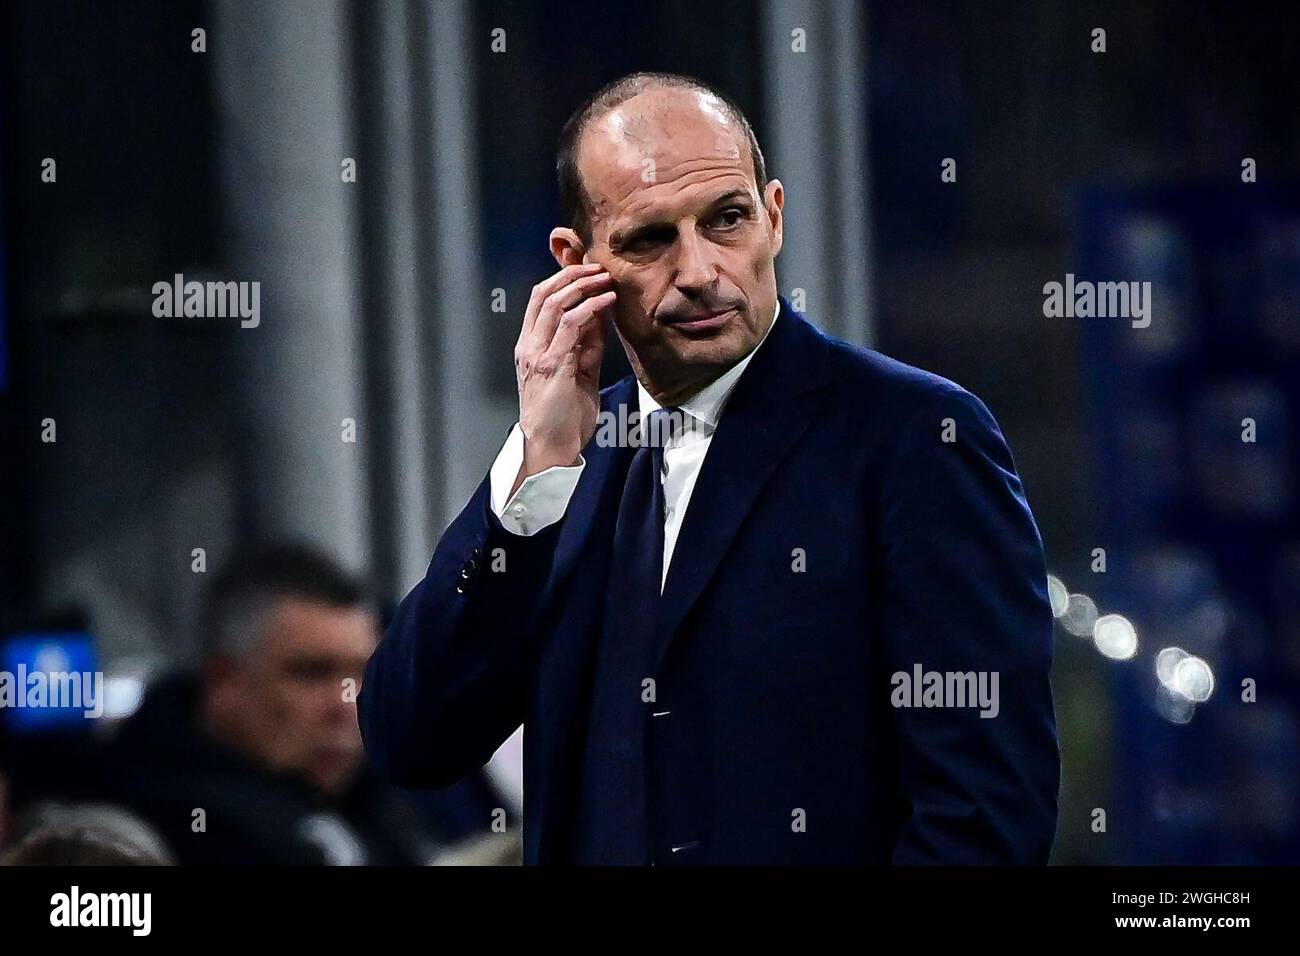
(573,322)
(555,306)
(550,285)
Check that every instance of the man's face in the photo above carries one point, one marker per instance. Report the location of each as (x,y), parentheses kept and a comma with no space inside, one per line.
(683,232)
(286,707)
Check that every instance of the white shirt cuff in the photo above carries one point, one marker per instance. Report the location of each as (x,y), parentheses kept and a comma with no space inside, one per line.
(542,498)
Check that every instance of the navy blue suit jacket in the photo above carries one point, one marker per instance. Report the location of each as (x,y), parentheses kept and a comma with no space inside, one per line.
(781,742)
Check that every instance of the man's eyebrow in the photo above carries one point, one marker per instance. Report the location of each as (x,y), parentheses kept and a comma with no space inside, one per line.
(728,196)
(631,231)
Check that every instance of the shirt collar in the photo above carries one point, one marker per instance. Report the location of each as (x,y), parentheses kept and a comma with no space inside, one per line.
(706,405)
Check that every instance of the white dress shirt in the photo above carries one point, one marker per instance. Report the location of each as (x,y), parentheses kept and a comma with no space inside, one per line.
(542,498)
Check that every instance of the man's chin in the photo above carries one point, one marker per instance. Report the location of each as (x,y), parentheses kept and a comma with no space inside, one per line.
(332,781)
(719,350)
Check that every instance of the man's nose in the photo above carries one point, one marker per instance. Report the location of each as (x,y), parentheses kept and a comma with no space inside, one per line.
(697,267)
(339,701)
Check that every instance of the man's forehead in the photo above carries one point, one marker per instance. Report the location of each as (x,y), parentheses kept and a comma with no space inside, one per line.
(296,621)
(647,141)
(650,111)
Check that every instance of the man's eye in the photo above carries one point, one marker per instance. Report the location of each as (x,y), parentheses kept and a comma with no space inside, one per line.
(649,238)
(306,671)
(727,214)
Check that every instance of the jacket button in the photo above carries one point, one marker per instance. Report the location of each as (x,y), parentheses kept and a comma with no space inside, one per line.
(683,847)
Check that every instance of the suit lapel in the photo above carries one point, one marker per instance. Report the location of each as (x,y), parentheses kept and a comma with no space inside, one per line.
(595,488)
(771,407)
(565,669)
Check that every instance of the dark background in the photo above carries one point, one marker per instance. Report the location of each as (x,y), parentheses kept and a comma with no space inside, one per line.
(176,434)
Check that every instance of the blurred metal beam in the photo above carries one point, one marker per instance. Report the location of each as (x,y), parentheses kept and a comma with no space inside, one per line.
(473,420)
(390,124)
(816,144)
(281,74)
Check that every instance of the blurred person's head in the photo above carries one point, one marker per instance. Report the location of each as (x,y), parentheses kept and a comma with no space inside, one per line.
(664,185)
(287,637)
(85,835)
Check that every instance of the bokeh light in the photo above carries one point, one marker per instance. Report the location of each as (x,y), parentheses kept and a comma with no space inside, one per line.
(1115,636)
(1193,679)
(1058,594)
(1080,615)
(1166,661)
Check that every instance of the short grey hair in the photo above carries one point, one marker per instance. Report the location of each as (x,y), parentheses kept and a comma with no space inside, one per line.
(256,579)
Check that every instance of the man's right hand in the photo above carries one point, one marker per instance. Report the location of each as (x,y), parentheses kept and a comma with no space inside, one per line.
(557,365)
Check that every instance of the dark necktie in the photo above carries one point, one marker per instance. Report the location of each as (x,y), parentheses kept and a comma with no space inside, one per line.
(612,825)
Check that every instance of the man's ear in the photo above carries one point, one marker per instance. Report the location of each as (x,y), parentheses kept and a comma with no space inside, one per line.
(774,201)
(567,247)
(222,675)
(219,692)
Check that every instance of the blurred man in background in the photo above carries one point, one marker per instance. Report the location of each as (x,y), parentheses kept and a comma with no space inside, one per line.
(259,759)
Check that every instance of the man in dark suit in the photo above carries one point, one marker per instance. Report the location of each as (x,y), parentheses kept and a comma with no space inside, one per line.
(798,615)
